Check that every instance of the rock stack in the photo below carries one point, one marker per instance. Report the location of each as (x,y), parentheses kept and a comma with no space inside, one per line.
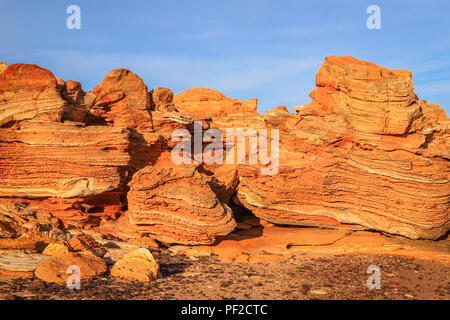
(366,153)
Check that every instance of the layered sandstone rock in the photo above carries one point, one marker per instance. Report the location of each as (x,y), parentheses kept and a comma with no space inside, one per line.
(202,103)
(177,205)
(63,168)
(29,92)
(162,99)
(72,160)
(138,265)
(364,153)
(370,98)
(121,100)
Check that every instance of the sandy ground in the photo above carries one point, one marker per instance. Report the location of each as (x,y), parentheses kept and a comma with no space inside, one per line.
(301,277)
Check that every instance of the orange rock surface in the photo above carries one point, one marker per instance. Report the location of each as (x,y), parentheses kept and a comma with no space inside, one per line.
(366,153)
(55,269)
(388,171)
(280,243)
(177,205)
(29,92)
(202,103)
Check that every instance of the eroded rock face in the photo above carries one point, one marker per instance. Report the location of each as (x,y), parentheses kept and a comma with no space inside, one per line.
(3,66)
(177,205)
(121,100)
(364,153)
(61,167)
(202,103)
(162,99)
(370,98)
(73,161)
(29,92)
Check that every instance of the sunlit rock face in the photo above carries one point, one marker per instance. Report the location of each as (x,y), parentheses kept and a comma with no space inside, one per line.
(366,153)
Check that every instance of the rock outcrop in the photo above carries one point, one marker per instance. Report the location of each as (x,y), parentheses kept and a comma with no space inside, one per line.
(202,103)
(177,205)
(366,153)
(29,92)
(363,153)
(58,167)
(121,100)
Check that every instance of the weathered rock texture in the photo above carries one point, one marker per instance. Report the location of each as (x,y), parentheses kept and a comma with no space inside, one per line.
(29,92)
(177,205)
(366,153)
(121,100)
(138,265)
(57,269)
(3,66)
(202,103)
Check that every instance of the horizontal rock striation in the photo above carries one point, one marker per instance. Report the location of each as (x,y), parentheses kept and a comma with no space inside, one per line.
(29,92)
(177,205)
(63,160)
(364,153)
(202,103)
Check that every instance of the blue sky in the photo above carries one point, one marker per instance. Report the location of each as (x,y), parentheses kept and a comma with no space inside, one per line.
(268,50)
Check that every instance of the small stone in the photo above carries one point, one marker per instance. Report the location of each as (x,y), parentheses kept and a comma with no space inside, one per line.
(304,288)
(39,284)
(83,242)
(55,249)
(138,265)
(319,292)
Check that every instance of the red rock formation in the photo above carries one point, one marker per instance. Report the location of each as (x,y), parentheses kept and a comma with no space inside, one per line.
(29,92)
(68,163)
(177,205)
(204,103)
(162,99)
(365,152)
(121,100)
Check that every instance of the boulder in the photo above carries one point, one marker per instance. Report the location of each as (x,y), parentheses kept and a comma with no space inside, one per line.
(121,100)
(55,249)
(29,92)
(55,269)
(177,205)
(138,265)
